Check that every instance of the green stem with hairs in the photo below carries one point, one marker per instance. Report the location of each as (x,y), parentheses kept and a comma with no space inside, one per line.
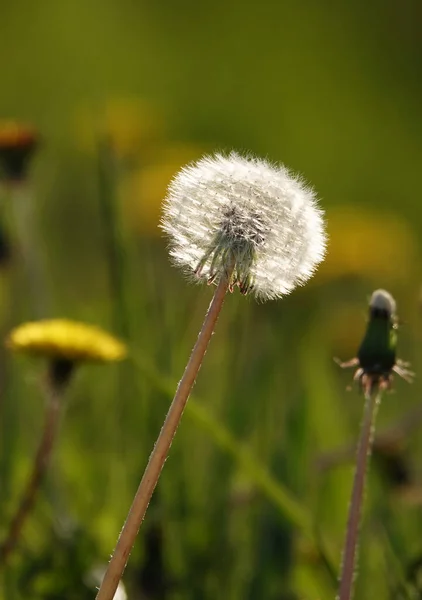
(372,401)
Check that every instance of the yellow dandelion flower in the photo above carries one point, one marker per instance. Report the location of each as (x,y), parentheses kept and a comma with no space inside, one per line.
(65,340)
(64,344)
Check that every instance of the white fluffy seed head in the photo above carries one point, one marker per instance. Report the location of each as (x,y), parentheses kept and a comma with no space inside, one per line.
(383,300)
(233,209)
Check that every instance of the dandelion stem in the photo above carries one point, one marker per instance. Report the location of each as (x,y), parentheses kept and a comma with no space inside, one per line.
(40,464)
(372,401)
(159,454)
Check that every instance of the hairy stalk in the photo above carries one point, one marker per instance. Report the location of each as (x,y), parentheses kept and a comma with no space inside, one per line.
(159,454)
(40,464)
(372,401)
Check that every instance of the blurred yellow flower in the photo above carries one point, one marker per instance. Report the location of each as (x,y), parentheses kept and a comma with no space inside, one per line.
(143,190)
(369,243)
(62,339)
(132,126)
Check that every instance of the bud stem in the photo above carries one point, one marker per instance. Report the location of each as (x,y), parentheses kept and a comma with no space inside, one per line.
(372,401)
(159,454)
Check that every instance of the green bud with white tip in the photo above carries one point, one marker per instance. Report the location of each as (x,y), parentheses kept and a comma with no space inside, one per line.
(377,352)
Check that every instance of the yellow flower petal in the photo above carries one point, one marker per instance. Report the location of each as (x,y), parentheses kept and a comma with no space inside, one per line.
(67,340)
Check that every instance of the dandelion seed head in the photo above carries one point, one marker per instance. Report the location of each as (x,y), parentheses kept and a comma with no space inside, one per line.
(383,301)
(246,212)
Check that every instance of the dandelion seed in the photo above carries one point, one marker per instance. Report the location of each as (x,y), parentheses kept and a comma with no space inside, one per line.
(260,216)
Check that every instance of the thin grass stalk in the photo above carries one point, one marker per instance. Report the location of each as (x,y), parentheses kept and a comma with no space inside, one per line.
(348,570)
(39,468)
(114,245)
(159,454)
(394,561)
(22,201)
(118,255)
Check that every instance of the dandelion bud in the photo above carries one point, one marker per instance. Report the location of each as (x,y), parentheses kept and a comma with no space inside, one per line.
(247,219)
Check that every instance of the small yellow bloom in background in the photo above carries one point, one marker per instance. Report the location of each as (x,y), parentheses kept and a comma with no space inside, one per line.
(62,339)
(368,243)
(133,126)
(142,190)
(18,143)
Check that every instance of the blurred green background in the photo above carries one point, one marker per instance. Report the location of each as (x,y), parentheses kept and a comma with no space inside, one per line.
(334,91)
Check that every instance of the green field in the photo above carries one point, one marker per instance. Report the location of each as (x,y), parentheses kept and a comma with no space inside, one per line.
(252,503)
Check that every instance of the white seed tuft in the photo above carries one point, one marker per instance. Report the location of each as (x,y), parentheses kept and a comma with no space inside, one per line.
(383,300)
(233,209)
